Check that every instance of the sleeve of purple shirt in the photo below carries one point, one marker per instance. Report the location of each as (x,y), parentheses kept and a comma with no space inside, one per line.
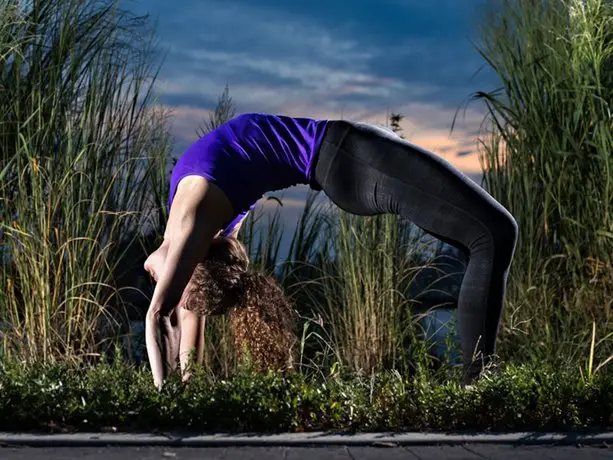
(226,231)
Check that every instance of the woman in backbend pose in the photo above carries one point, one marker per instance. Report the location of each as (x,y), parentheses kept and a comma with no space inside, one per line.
(363,169)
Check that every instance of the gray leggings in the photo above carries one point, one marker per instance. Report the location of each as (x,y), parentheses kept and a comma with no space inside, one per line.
(367,170)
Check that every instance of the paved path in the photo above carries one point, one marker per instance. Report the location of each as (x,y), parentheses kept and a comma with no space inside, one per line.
(307,446)
(458,452)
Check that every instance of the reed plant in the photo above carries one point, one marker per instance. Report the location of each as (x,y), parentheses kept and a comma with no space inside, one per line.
(81,147)
(546,147)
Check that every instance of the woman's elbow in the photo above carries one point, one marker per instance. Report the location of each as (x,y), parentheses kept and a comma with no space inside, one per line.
(153,314)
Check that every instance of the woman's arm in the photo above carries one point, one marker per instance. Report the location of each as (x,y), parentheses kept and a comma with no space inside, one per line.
(186,249)
(200,209)
(154,333)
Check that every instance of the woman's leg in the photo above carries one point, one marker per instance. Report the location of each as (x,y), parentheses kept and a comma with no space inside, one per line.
(367,170)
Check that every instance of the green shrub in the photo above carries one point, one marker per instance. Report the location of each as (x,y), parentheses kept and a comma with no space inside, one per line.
(120,395)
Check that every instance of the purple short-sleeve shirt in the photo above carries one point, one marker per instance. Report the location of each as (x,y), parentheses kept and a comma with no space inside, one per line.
(250,155)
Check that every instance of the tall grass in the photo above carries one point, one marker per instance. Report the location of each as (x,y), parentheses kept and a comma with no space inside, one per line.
(548,159)
(84,173)
(81,148)
(364,299)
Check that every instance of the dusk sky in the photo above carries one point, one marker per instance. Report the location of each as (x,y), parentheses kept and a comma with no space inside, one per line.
(327,59)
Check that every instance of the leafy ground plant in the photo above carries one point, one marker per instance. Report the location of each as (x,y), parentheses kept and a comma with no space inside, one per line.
(117,395)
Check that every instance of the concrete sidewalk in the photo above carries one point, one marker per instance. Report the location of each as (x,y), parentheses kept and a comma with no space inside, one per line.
(301,439)
(455,452)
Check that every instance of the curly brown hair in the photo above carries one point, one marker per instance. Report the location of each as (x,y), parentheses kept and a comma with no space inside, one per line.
(262,320)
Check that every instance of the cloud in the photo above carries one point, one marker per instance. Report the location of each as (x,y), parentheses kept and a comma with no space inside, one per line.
(267,55)
(301,59)
(274,56)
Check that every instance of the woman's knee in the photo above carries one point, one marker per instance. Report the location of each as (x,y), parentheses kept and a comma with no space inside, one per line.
(499,234)
(509,230)
(506,233)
